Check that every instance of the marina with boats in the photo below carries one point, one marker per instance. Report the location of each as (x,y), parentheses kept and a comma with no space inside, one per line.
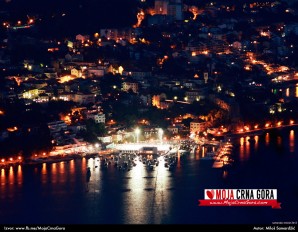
(223,156)
(166,182)
(125,157)
(219,151)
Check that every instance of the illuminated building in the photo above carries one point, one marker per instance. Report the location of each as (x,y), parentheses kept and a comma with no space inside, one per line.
(169,7)
(197,126)
(98,118)
(134,86)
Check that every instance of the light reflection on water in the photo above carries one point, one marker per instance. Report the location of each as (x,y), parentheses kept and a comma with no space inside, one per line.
(11,181)
(11,176)
(2,181)
(72,167)
(292,141)
(290,91)
(54,172)
(44,173)
(197,153)
(19,175)
(256,137)
(287,92)
(276,139)
(135,196)
(225,174)
(242,150)
(279,140)
(94,183)
(178,161)
(247,148)
(61,172)
(203,151)
(267,138)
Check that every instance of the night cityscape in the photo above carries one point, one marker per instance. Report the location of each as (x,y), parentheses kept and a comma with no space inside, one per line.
(142,111)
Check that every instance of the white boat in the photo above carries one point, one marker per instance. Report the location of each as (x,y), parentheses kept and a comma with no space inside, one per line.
(218,163)
(222,162)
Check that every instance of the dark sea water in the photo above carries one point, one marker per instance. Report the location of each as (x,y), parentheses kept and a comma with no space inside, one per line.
(60,194)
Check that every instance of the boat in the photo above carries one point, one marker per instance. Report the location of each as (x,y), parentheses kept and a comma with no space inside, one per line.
(218,163)
(224,161)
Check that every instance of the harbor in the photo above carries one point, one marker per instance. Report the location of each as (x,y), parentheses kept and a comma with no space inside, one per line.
(126,156)
(140,194)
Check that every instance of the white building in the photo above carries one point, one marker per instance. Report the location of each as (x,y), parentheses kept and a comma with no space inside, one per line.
(197,126)
(173,129)
(97,117)
(106,139)
(134,86)
(76,72)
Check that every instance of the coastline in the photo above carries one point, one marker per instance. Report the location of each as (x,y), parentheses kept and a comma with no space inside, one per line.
(50,159)
(68,157)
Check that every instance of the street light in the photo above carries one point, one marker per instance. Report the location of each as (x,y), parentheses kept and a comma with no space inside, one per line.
(137,131)
(160,132)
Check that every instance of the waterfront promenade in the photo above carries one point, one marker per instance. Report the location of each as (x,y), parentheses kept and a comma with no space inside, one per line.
(132,147)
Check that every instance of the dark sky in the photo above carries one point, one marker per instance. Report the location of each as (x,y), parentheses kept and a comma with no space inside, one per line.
(80,15)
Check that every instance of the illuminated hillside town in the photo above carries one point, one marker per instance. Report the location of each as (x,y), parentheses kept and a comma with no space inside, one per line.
(145,82)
